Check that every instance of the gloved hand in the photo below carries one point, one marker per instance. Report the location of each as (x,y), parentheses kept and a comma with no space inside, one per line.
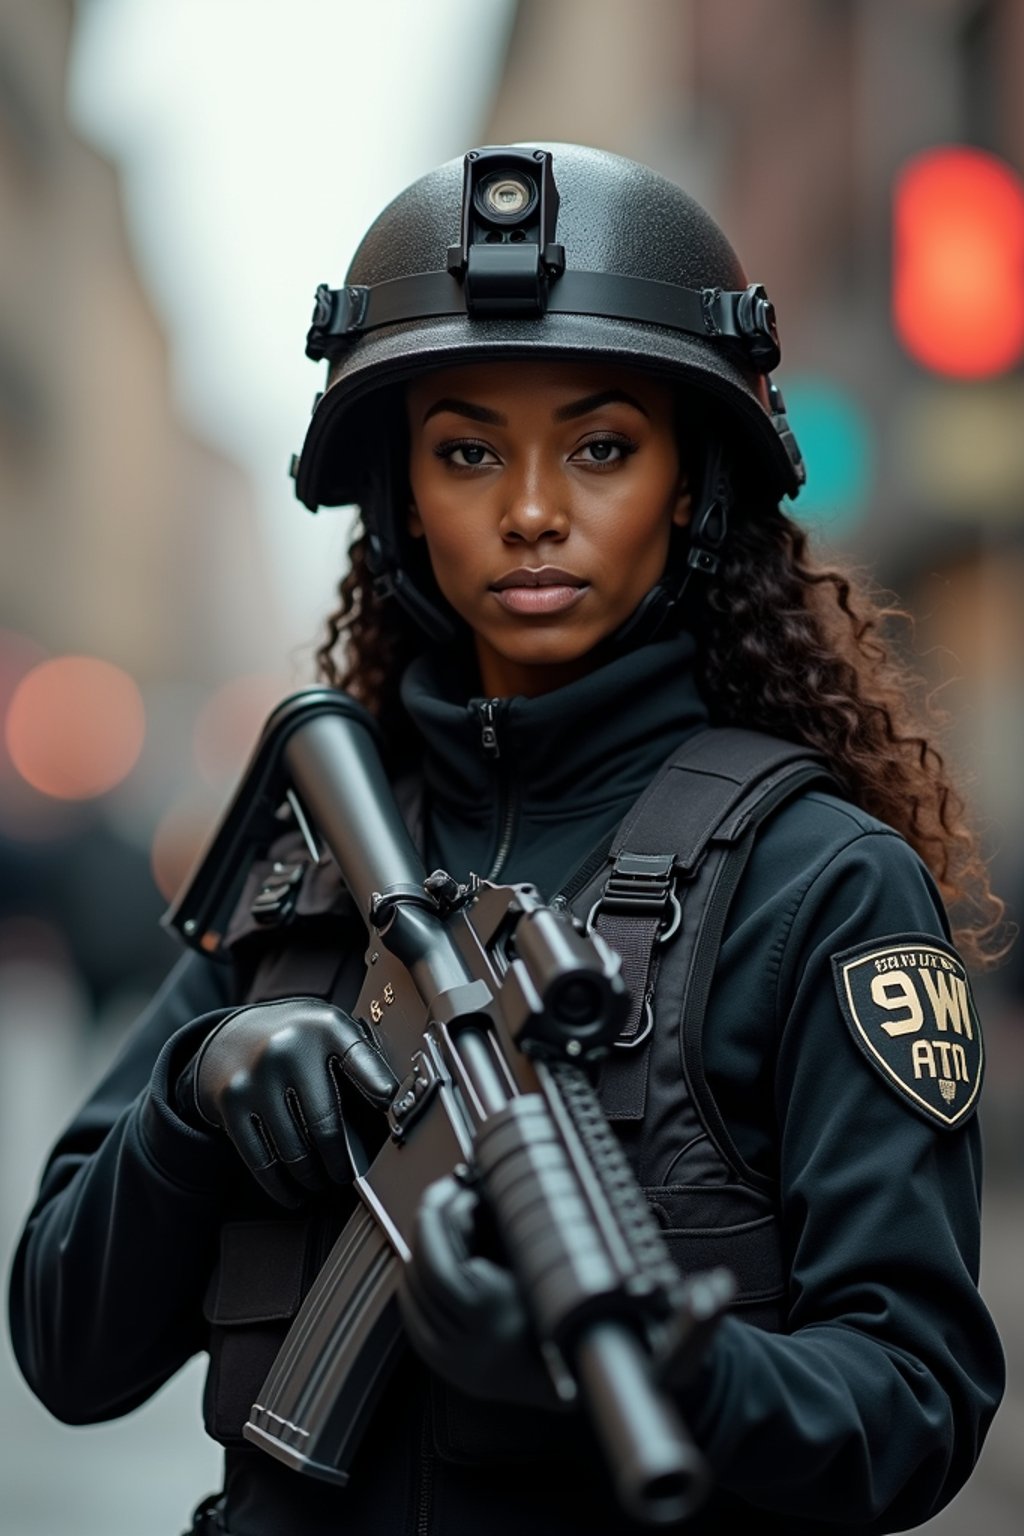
(463,1312)
(270,1077)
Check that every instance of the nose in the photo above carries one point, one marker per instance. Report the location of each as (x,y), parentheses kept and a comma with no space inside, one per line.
(533,507)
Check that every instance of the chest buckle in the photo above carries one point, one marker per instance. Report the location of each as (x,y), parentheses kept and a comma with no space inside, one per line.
(641,885)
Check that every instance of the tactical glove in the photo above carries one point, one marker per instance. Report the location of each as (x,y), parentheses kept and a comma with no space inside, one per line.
(463,1312)
(465,1318)
(270,1076)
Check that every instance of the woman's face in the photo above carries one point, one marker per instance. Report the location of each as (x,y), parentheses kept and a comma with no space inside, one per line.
(547,493)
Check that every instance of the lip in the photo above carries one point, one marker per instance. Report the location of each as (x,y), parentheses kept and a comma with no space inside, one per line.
(521,592)
(537,576)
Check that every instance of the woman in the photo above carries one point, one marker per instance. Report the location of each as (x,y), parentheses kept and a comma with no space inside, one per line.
(548,391)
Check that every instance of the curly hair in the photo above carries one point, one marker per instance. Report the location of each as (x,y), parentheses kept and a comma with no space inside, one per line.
(787,646)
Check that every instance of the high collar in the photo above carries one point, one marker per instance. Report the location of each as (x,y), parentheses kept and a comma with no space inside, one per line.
(595,741)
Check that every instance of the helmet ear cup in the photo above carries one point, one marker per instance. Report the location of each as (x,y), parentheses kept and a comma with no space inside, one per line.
(696,548)
(398,562)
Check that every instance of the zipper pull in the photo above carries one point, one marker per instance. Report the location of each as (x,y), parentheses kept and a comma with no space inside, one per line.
(489,726)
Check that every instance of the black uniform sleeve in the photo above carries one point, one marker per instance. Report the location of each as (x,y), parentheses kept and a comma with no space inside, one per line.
(872,1410)
(108,1277)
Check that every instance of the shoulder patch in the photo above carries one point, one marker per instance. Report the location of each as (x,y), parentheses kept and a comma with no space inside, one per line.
(907,1003)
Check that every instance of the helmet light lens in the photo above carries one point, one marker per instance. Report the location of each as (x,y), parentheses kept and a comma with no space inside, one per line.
(506,198)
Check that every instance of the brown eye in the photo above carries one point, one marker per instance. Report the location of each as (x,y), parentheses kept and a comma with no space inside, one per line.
(605,451)
(465,455)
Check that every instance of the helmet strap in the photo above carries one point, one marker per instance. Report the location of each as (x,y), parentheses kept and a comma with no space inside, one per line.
(708,533)
(389,580)
(384,557)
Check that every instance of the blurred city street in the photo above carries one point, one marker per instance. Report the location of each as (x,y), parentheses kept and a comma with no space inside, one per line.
(175,180)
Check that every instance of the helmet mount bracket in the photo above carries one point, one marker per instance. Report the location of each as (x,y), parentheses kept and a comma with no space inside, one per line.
(508,255)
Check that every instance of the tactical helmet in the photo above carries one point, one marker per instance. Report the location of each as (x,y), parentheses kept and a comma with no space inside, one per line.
(525,251)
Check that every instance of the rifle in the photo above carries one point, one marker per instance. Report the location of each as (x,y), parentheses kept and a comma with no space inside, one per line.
(487,1004)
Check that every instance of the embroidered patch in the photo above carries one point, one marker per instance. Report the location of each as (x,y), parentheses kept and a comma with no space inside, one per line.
(908,1004)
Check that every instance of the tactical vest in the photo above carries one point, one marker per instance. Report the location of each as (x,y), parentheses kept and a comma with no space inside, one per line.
(660,894)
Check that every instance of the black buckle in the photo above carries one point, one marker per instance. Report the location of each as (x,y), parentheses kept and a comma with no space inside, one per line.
(275,901)
(780,421)
(747,317)
(641,885)
(338,316)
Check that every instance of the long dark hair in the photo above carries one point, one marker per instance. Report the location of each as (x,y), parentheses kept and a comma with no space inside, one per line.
(785,645)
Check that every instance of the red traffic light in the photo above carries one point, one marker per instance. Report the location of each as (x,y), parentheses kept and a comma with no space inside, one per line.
(958,262)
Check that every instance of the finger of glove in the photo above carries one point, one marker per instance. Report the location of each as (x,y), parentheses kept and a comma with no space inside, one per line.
(325,1124)
(473,1352)
(451,1278)
(307,1126)
(366,1069)
(259,1154)
(434,1340)
(275,1122)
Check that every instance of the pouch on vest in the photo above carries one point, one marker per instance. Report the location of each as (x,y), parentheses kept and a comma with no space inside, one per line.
(264,1269)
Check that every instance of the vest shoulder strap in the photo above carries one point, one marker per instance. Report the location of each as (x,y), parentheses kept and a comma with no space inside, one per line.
(710,787)
(672,869)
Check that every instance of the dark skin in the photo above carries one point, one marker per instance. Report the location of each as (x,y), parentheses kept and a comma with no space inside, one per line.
(547,493)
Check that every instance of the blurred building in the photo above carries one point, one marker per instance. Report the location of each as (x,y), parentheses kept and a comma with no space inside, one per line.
(124,536)
(116,520)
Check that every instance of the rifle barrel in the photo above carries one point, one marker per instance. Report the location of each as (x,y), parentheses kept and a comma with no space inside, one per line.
(363,827)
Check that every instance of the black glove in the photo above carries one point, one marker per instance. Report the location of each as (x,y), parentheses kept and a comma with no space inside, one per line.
(463,1312)
(703,1301)
(270,1076)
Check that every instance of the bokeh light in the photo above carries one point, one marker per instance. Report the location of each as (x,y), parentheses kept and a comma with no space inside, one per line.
(958,262)
(180,837)
(18,655)
(837,443)
(230,722)
(75,727)
(962,449)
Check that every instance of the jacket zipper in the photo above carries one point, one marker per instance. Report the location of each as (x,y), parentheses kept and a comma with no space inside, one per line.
(582,876)
(425,1489)
(489,711)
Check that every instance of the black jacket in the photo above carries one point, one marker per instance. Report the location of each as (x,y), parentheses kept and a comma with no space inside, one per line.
(866,1415)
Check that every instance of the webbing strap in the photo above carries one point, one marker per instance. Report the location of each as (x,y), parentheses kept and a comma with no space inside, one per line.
(697,818)
(721,775)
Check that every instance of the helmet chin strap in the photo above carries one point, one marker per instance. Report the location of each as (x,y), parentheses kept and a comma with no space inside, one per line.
(390,576)
(708,532)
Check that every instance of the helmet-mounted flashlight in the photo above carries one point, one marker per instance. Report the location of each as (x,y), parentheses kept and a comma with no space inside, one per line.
(508,255)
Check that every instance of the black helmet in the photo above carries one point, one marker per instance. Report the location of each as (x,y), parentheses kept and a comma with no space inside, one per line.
(518,251)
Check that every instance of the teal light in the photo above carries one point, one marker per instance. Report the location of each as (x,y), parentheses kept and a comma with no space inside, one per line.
(836,440)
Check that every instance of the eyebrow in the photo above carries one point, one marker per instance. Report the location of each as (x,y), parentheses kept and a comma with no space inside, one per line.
(568,412)
(594,402)
(467,408)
